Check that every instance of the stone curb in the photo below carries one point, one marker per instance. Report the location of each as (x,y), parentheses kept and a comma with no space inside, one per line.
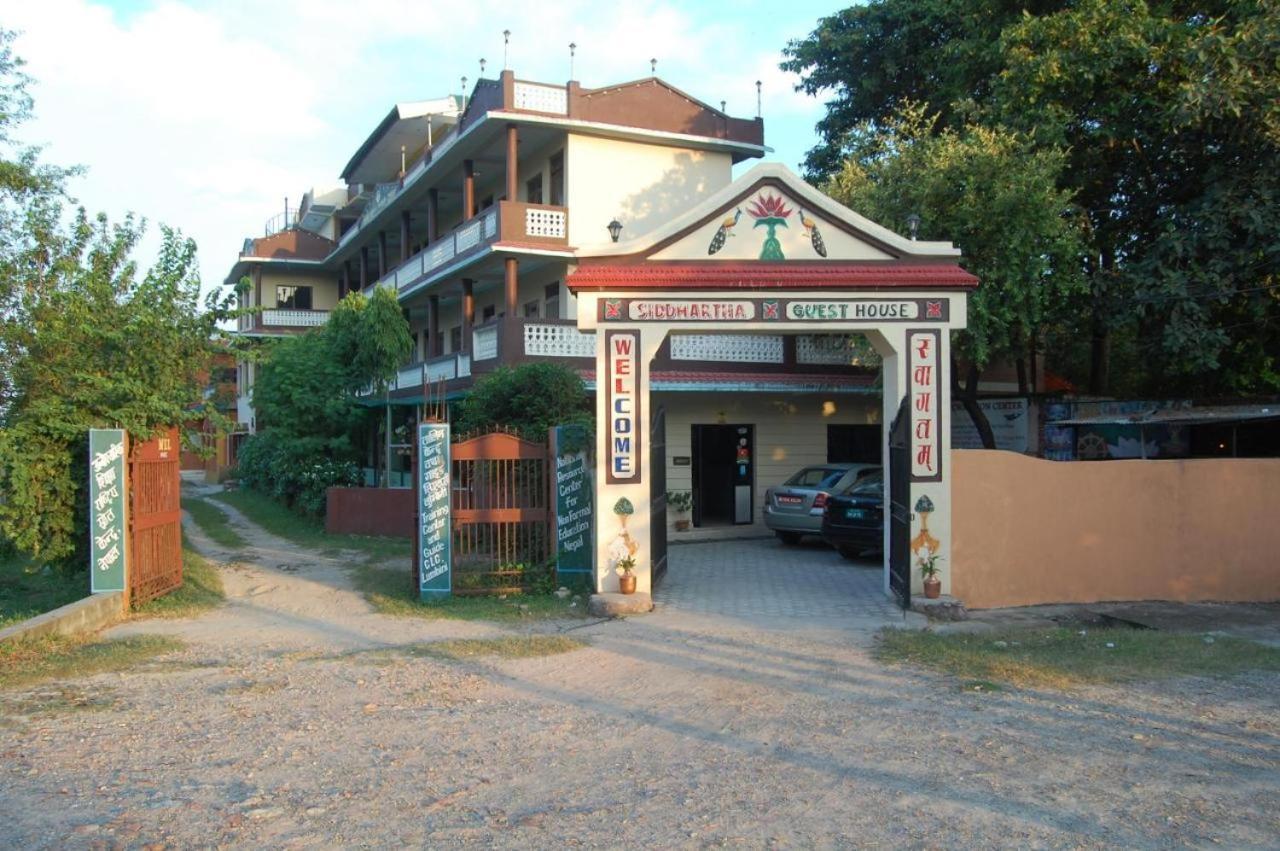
(613,605)
(87,615)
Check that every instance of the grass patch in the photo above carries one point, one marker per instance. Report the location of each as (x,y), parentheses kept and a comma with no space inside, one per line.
(390,593)
(201,590)
(24,663)
(514,647)
(27,589)
(1060,658)
(309,532)
(213,522)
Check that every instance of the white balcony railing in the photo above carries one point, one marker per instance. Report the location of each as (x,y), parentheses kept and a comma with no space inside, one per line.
(732,348)
(557,341)
(283,318)
(540,98)
(409,376)
(549,223)
(449,367)
(484,342)
(479,230)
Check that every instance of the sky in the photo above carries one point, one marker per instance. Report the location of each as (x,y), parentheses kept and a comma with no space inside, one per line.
(207,115)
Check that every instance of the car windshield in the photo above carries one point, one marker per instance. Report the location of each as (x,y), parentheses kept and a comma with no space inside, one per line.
(871,482)
(816,477)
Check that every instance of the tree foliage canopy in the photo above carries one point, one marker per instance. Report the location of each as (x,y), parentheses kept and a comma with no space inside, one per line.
(1169,117)
(531,398)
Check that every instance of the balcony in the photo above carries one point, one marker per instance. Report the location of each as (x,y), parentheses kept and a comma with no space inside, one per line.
(512,223)
(273,319)
(444,368)
(499,342)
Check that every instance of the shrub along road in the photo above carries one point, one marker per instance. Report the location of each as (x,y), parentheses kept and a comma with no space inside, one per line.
(297,714)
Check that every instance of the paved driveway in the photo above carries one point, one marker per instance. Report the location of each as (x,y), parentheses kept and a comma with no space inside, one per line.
(765,582)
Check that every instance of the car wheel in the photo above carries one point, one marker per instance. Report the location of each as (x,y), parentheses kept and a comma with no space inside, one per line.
(789,538)
(848,551)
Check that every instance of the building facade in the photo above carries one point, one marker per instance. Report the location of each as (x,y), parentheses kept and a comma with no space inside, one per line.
(488,214)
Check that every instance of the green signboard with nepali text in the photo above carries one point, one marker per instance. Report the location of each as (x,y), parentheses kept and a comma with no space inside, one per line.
(435,528)
(575,488)
(107,520)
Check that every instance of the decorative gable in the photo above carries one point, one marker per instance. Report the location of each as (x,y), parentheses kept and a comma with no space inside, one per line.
(772,224)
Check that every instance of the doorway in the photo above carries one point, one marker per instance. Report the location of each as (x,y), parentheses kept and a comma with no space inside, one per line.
(723,475)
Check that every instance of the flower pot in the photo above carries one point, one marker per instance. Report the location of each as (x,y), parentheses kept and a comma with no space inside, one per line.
(682,525)
(627,583)
(932,588)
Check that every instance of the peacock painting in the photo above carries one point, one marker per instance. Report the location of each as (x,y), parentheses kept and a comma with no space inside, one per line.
(725,231)
(815,238)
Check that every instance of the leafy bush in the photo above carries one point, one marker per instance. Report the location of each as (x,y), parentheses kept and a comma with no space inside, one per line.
(296,472)
(529,398)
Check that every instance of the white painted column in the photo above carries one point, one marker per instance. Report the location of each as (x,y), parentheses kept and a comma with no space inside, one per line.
(616,531)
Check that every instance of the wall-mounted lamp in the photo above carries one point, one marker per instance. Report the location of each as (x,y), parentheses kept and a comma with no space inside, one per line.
(913,225)
(615,229)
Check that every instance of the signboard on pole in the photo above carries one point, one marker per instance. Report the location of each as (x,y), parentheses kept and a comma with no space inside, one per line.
(107,509)
(435,528)
(574,477)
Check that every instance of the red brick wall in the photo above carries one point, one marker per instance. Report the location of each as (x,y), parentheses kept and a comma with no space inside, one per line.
(370,511)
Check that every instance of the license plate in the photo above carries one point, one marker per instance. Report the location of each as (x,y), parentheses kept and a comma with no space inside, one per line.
(855,514)
(790,500)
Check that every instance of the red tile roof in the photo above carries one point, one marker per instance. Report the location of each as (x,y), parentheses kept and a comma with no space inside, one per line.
(764,276)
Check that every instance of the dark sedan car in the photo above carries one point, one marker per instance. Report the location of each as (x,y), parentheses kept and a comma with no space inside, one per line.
(853,522)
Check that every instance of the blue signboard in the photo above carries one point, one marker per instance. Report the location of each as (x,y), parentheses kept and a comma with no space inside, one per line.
(107,529)
(575,486)
(434,527)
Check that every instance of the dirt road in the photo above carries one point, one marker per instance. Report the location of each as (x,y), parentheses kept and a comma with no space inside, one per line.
(294,718)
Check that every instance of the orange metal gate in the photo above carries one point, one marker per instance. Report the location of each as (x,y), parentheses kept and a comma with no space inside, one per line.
(155,517)
(501,521)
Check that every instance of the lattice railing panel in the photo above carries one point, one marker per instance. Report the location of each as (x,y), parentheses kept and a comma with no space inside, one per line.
(548,223)
(741,348)
(828,349)
(539,98)
(558,341)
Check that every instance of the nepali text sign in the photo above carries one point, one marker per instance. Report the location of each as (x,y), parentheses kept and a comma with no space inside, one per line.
(864,310)
(622,405)
(107,527)
(574,551)
(434,526)
(926,415)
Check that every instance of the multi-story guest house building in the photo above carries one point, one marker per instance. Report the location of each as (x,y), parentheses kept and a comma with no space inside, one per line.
(479,211)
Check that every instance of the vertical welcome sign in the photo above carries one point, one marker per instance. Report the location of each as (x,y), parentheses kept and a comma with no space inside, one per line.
(575,553)
(926,416)
(107,510)
(434,528)
(622,401)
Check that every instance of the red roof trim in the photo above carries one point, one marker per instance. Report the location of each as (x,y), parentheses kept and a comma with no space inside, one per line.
(769,276)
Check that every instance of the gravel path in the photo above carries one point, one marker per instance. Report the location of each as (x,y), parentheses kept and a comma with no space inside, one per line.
(291,720)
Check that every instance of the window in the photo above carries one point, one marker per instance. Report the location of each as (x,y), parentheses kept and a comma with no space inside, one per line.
(487,202)
(857,444)
(531,309)
(416,350)
(552,295)
(533,189)
(455,338)
(488,313)
(557,179)
(293,298)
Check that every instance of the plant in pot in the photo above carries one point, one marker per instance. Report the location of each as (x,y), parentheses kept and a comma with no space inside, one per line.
(625,569)
(928,560)
(681,502)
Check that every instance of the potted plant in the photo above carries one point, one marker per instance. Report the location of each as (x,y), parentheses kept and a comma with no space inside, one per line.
(928,560)
(626,575)
(681,502)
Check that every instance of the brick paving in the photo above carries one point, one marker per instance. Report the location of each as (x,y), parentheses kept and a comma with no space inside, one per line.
(764,580)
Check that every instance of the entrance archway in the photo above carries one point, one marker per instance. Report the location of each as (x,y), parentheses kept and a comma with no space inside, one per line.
(905,297)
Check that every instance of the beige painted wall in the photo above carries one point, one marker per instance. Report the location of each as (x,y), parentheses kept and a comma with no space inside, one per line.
(790,430)
(656,184)
(1029,531)
(324,292)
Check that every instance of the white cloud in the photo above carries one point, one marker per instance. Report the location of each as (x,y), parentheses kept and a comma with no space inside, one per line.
(205,115)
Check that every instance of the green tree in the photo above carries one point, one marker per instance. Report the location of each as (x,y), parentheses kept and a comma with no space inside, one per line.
(1168,112)
(530,398)
(99,347)
(996,196)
